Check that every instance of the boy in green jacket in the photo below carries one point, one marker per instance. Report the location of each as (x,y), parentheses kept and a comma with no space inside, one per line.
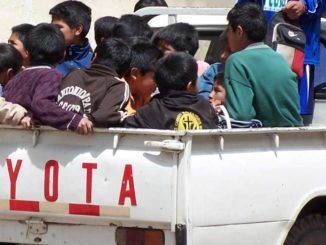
(259,83)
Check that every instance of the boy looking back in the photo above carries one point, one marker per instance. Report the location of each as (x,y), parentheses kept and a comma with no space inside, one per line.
(37,86)
(97,92)
(74,19)
(177,106)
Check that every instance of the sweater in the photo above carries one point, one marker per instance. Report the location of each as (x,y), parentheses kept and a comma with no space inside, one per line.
(179,110)
(96,93)
(36,89)
(77,57)
(259,84)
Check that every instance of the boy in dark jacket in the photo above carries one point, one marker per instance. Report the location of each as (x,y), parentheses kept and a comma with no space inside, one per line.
(74,19)
(98,93)
(36,88)
(177,106)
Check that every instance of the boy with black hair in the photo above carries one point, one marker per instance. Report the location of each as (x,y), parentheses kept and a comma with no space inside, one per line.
(103,28)
(129,26)
(177,106)
(179,37)
(18,39)
(149,3)
(74,19)
(259,83)
(36,87)
(10,64)
(98,93)
(140,75)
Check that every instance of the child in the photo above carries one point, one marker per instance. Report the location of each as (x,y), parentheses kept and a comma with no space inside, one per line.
(74,20)
(217,98)
(36,87)
(140,75)
(97,92)
(206,80)
(177,106)
(129,26)
(10,64)
(179,37)
(258,81)
(18,40)
(103,28)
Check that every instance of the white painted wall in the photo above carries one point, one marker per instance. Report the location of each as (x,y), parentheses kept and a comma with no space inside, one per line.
(14,12)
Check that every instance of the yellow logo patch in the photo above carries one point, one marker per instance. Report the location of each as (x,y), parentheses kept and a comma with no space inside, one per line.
(188,121)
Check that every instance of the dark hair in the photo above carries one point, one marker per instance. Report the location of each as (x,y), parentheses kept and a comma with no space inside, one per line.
(181,36)
(22,31)
(10,58)
(115,54)
(144,57)
(129,26)
(174,71)
(45,44)
(103,28)
(251,18)
(149,3)
(73,13)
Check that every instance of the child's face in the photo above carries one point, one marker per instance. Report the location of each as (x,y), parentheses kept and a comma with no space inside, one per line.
(16,43)
(236,39)
(217,96)
(68,32)
(144,85)
(165,47)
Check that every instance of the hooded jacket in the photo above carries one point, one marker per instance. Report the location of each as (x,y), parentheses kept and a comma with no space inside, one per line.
(96,93)
(77,57)
(179,110)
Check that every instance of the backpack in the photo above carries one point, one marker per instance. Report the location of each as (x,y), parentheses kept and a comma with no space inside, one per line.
(287,38)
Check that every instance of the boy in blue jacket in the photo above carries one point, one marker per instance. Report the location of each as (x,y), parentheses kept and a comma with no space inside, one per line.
(74,20)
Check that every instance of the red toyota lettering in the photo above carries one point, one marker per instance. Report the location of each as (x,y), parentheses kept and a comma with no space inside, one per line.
(89,176)
(127,180)
(54,166)
(13,174)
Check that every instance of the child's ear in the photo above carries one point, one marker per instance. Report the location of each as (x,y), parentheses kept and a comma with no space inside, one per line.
(192,87)
(134,73)
(8,74)
(79,29)
(239,31)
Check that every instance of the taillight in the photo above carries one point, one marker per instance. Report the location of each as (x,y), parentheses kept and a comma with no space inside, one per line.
(137,236)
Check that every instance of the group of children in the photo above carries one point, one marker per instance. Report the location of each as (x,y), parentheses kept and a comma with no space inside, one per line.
(134,78)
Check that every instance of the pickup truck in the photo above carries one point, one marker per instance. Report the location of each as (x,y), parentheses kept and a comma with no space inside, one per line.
(151,187)
(160,187)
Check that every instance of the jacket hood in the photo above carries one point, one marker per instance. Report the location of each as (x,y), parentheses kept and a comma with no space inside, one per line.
(178,99)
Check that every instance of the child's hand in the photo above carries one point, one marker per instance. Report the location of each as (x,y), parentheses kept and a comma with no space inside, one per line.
(85,126)
(294,9)
(26,122)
